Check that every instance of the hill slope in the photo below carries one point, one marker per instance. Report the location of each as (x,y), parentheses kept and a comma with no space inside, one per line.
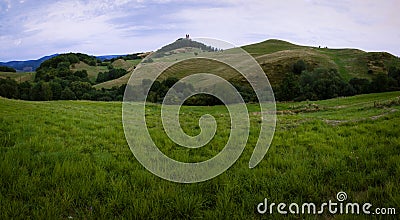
(276,57)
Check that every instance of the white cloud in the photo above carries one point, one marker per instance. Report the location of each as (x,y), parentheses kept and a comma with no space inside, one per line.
(125,26)
(5,5)
(17,42)
(335,24)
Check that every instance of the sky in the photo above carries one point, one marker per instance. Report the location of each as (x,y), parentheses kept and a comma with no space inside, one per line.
(30,29)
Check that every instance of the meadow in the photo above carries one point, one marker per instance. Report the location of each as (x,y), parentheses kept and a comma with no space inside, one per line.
(70,159)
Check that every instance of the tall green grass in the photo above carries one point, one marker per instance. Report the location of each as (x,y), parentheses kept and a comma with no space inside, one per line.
(67,159)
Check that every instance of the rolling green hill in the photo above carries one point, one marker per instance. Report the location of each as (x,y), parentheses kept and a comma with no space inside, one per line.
(276,57)
(269,46)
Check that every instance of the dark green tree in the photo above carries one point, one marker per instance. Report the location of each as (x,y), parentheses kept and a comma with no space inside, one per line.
(35,91)
(56,89)
(81,74)
(45,92)
(360,85)
(24,90)
(41,91)
(170,81)
(68,94)
(299,67)
(380,83)
(80,88)
(9,88)
(110,75)
(64,64)
(394,73)
(323,83)
(289,88)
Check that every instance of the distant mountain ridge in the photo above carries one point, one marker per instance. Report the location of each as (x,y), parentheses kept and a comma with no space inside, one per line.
(109,57)
(32,65)
(27,65)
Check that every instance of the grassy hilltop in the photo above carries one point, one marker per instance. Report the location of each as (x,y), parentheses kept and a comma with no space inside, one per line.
(63,159)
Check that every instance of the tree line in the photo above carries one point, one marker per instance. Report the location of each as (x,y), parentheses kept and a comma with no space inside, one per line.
(55,81)
(322,83)
(113,73)
(55,90)
(159,89)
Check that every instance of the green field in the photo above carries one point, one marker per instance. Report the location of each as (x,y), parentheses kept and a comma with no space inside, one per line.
(70,159)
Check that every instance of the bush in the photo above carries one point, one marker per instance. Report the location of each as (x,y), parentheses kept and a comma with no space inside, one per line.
(299,67)
(81,74)
(289,88)
(110,75)
(360,86)
(380,83)
(41,91)
(9,88)
(323,84)
(149,60)
(313,85)
(68,94)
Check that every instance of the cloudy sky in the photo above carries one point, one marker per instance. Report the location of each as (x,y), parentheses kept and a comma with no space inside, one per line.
(30,29)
